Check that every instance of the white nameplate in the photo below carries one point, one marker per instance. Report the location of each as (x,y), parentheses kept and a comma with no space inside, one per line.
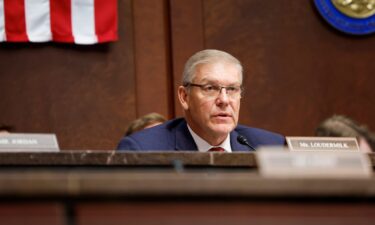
(17,142)
(281,163)
(323,144)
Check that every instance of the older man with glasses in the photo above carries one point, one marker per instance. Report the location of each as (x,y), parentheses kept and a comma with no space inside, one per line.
(210,97)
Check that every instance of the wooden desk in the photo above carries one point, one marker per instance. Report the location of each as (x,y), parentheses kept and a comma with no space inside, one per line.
(76,187)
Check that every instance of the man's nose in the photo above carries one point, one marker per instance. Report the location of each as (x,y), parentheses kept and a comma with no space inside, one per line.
(223,96)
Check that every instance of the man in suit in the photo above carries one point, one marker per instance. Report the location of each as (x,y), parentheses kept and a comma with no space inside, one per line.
(210,96)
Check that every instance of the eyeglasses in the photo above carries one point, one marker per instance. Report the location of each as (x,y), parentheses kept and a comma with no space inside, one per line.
(210,90)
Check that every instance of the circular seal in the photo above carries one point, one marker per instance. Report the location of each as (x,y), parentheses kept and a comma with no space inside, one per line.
(350,16)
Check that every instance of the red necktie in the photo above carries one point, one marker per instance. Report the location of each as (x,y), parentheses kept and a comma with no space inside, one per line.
(216,149)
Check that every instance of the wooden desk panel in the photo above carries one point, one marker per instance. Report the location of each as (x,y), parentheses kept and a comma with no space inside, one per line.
(32,213)
(79,188)
(226,213)
(108,183)
(133,158)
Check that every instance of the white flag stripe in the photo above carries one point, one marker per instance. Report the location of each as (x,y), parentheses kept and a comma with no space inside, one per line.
(2,21)
(83,22)
(68,21)
(38,25)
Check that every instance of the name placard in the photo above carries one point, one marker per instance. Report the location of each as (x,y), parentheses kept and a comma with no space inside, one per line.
(323,144)
(285,164)
(17,142)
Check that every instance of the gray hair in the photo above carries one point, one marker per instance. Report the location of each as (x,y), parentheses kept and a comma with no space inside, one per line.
(207,56)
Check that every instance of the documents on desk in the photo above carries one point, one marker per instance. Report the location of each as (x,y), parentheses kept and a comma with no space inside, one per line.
(19,142)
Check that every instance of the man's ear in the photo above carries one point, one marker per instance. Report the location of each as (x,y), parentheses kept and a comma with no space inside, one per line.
(183,97)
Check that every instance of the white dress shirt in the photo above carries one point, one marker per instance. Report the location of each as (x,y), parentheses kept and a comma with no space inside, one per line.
(204,146)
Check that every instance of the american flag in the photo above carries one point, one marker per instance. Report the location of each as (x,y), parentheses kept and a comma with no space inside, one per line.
(71,21)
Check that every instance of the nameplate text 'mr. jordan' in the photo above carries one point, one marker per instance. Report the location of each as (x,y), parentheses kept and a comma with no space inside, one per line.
(17,142)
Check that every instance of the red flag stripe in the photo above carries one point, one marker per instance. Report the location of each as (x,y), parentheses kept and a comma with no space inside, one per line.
(61,20)
(73,21)
(106,20)
(15,24)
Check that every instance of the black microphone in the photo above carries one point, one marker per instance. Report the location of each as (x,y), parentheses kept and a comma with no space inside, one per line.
(242,140)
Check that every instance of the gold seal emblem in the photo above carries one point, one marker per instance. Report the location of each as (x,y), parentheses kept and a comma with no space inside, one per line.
(355,8)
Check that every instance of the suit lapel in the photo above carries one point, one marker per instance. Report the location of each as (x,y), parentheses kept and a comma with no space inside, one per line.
(184,140)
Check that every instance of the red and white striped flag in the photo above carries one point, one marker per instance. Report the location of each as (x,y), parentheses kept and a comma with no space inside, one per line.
(72,21)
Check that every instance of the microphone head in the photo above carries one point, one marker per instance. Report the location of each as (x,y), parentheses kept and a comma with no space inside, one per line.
(242,140)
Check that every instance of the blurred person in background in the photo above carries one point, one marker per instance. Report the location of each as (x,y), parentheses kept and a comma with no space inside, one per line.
(5,129)
(146,121)
(343,126)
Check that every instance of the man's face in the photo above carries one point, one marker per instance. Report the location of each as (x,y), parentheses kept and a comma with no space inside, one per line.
(212,117)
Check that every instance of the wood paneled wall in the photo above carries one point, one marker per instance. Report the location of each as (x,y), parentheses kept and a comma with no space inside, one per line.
(298,70)
(84,94)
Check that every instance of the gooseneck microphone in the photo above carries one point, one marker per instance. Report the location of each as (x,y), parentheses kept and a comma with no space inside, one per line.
(242,140)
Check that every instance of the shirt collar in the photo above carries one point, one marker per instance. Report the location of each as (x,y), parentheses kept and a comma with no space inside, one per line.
(204,146)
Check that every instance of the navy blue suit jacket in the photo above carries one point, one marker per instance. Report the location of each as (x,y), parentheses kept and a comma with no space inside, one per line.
(174,135)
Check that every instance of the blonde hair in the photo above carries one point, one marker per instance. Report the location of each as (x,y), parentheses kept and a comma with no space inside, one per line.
(143,122)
